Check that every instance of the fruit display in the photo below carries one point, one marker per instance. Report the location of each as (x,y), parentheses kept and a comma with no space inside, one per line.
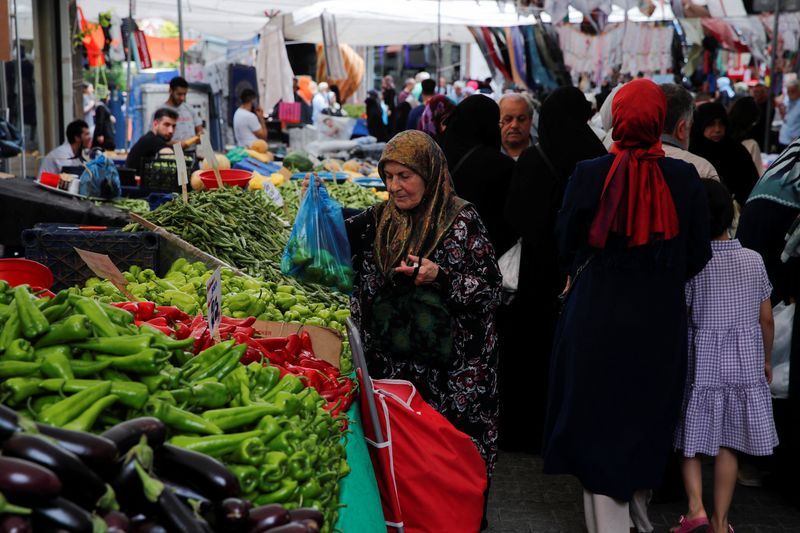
(79,364)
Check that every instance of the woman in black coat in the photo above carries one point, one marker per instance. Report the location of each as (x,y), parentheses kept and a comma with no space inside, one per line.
(481,173)
(375,124)
(534,198)
(633,228)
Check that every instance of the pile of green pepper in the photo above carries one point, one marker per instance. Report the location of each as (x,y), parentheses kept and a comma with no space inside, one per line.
(78,363)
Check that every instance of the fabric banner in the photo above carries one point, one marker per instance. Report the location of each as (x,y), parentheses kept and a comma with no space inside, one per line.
(142,51)
(273,71)
(330,43)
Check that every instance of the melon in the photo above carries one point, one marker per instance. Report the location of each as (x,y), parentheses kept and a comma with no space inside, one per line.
(259,145)
(196,182)
(222,163)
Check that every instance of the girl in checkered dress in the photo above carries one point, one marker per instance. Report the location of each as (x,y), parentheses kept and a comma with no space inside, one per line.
(727,405)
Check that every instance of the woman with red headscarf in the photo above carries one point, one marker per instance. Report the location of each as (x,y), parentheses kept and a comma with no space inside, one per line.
(633,229)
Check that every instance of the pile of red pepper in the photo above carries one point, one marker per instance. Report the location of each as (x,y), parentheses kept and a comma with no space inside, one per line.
(291,355)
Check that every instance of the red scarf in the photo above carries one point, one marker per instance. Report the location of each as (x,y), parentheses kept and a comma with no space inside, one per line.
(636,201)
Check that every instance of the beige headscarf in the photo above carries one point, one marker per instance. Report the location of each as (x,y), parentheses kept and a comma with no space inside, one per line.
(416,231)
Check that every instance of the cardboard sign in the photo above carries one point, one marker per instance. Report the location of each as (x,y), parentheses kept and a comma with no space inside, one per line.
(214,302)
(104,267)
(183,180)
(327,343)
(210,156)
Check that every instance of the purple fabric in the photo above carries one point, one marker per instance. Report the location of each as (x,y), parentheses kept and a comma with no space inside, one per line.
(727,401)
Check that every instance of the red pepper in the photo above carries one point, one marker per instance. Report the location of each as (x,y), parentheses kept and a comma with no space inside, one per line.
(166,330)
(313,362)
(251,356)
(278,356)
(249,331)
(183,332)
(273,343)
(282,370)
(226,329)
(240,322)
(159,321)
(146,310)
(172,313)
(305,341)
(293,345)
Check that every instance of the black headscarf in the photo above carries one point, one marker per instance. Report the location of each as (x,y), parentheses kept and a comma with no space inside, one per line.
(744,114)
(475,121)
(731,160)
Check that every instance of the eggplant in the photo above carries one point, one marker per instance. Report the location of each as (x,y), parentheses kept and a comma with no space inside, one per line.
(196,471)
(9,422)
(98,453)
(26,481)
(142,524)
(186,494)
(234,514)
(177,516)
(307,513)
(81,484)
(127,434)
(14,523)
(61,514)
(128,488)
(117,522)
(267,516)
(291,527)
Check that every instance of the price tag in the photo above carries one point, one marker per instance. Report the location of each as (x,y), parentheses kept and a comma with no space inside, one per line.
(180,161)
(214,301)
(104,267)
(273,192)
(210,156)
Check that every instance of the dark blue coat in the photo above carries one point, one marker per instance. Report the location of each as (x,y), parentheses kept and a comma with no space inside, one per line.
(619,356)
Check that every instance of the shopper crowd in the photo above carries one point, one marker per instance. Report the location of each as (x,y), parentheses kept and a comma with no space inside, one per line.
(632,334)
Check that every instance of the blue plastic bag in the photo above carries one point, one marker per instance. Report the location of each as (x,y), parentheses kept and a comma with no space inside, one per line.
(100,179)
(318,250)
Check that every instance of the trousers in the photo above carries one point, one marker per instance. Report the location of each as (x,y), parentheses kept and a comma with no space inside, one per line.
(606,515)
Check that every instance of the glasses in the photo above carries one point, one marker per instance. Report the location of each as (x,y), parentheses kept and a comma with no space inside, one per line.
(505,121)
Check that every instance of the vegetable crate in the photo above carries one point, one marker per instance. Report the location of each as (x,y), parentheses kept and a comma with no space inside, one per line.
(54,245)
(161,174)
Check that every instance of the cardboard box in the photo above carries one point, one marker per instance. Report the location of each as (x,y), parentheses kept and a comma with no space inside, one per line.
(327,342)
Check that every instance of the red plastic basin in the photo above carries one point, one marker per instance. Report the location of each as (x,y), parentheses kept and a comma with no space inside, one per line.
(233,177)
(21,271)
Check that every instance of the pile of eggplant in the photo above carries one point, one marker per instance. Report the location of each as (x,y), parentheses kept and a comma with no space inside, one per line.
(124,480)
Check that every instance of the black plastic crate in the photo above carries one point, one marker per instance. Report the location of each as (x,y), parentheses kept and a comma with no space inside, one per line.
(160,174)
(53,245)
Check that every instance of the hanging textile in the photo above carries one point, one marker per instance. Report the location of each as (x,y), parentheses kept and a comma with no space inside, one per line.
(493,53)
(94,40)
(553,57)
(516,58)
(354,70)
(480,40)
(753,35)
(502,49)
(273,71)
(330,43)
(537,72)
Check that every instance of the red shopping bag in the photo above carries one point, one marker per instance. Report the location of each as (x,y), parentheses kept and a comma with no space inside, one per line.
(289,112)
(430,475)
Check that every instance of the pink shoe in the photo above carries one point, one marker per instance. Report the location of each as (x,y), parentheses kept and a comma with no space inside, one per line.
(691,526)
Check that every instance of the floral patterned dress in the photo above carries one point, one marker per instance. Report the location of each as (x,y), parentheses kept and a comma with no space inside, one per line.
(464,390)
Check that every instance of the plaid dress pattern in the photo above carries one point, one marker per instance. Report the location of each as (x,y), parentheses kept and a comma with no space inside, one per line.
(727,401)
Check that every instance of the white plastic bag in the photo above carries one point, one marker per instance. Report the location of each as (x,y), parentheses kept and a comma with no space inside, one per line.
(783,315)
(509,267)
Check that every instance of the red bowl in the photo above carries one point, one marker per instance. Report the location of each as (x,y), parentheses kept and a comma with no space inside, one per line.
(21,271)
(233,177)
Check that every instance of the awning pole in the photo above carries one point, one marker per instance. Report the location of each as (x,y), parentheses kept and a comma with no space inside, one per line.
(772,73)
(180,38)
(128,82)
(439,43)
(19,89)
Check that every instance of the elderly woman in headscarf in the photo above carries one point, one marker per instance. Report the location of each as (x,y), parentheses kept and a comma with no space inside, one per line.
(426,286)
(633,229)
(528,323)
(433,119)
(481,173)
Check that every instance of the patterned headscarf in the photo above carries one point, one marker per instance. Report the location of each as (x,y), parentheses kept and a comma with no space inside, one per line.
(436,111)
(416,231)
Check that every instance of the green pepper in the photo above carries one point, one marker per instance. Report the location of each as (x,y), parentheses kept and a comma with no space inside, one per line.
(238,385)
(55,312)
(31,318)
(315,321)
(310,489)
(112,375)
(11,330)
(341,315)
(117,315)
(130,393)
(286,492)
(86,420)
(250,451)
(20,389)
(269,428)
(72,328)
(149,361)
(285,441)
(236,417)
(10,369)
(247,476)
(285,301)
(164,341)
(288,383)
(43,402)
(19,350)
(274,467)
(239,302)
(98,317)
(207,356)
(69,408)
(214,445)
(132,344)
(56,364)
(180,419)
(88,368)
(262,378)
(153,382)
(222,367)
(209,394)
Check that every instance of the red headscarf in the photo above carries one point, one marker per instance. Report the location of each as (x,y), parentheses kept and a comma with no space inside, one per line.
(636,201)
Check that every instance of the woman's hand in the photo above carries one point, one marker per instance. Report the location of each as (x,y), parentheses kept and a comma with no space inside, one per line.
(423,272)
(307,182)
